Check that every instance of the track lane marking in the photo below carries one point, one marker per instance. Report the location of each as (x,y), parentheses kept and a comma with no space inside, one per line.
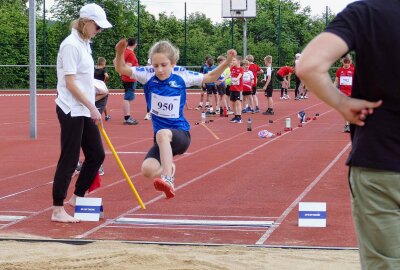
(279,221)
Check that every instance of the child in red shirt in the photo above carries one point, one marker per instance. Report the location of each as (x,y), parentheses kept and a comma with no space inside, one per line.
(253,67)
(283,76)
(236,89)
(344,81)
(248,79)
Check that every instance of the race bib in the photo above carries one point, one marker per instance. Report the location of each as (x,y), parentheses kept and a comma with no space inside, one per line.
(166,107)
(346,80)
(235,81)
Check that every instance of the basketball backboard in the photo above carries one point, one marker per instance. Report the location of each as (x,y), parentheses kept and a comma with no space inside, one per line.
(238,8)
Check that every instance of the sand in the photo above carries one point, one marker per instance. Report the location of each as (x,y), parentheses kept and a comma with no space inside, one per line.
(119,255)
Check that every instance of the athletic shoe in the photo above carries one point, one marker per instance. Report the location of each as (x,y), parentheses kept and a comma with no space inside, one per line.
(101,170)
(165,184)
(282,98)
(346,129)
(244,111)
(238,120)
(268,112)
(130,121)
(257,110)
(287,96)
(148,116)
(233,120)
(230,112)
(108,117)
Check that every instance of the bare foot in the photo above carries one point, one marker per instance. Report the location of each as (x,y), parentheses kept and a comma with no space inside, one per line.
(72,200)
(59,215)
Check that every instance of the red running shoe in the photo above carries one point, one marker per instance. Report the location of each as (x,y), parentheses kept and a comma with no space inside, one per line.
(165,184)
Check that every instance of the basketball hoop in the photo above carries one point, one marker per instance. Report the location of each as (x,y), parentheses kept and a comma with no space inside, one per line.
(238,8)
(237,13)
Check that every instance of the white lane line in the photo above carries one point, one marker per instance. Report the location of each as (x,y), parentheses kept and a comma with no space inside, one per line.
(279,221)
(25,190)
(25,173)
(11,218)
(135,153)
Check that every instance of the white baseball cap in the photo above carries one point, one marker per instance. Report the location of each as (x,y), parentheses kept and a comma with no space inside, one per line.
(96,13)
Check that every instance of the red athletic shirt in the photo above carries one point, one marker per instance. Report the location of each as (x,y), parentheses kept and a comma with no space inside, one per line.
(236,86)
(345,79)
(255,69)
(284,71)
(129,57)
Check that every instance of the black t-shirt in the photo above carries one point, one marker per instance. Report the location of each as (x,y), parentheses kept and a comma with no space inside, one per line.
(100,73)
(371,28)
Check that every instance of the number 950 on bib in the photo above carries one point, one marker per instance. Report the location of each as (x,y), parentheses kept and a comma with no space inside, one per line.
(166,107)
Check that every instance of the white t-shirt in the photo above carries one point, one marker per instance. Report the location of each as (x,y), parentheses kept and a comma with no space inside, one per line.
(268,73)
(248,78)
(75,58)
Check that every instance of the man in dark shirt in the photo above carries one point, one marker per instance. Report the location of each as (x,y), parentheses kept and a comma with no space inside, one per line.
(371,29)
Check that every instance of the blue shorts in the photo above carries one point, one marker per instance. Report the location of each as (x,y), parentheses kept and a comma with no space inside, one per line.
(129,88)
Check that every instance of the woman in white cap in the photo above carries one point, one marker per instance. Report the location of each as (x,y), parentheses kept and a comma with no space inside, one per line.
(76,110)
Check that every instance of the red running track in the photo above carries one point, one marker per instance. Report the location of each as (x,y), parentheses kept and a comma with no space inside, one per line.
(228,174)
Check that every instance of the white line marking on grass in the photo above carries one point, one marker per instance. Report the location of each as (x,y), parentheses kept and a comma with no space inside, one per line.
(279,221)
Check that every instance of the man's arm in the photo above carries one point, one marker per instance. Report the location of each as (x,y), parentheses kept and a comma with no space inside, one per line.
(313,67)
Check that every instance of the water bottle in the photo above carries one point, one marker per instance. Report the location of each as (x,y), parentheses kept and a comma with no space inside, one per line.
(203,117)
(288,123)
(225,112)
(249,124)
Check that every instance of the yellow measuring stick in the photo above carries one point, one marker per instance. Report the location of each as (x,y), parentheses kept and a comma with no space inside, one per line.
(127,178)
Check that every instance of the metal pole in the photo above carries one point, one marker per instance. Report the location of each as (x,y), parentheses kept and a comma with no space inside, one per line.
(32,69)
(44,60)
(279,36)
(185,51)
(326,17)
(138,37)
(232,32)
(244,37)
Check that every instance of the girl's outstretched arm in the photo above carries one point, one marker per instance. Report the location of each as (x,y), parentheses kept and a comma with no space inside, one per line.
(119,62)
